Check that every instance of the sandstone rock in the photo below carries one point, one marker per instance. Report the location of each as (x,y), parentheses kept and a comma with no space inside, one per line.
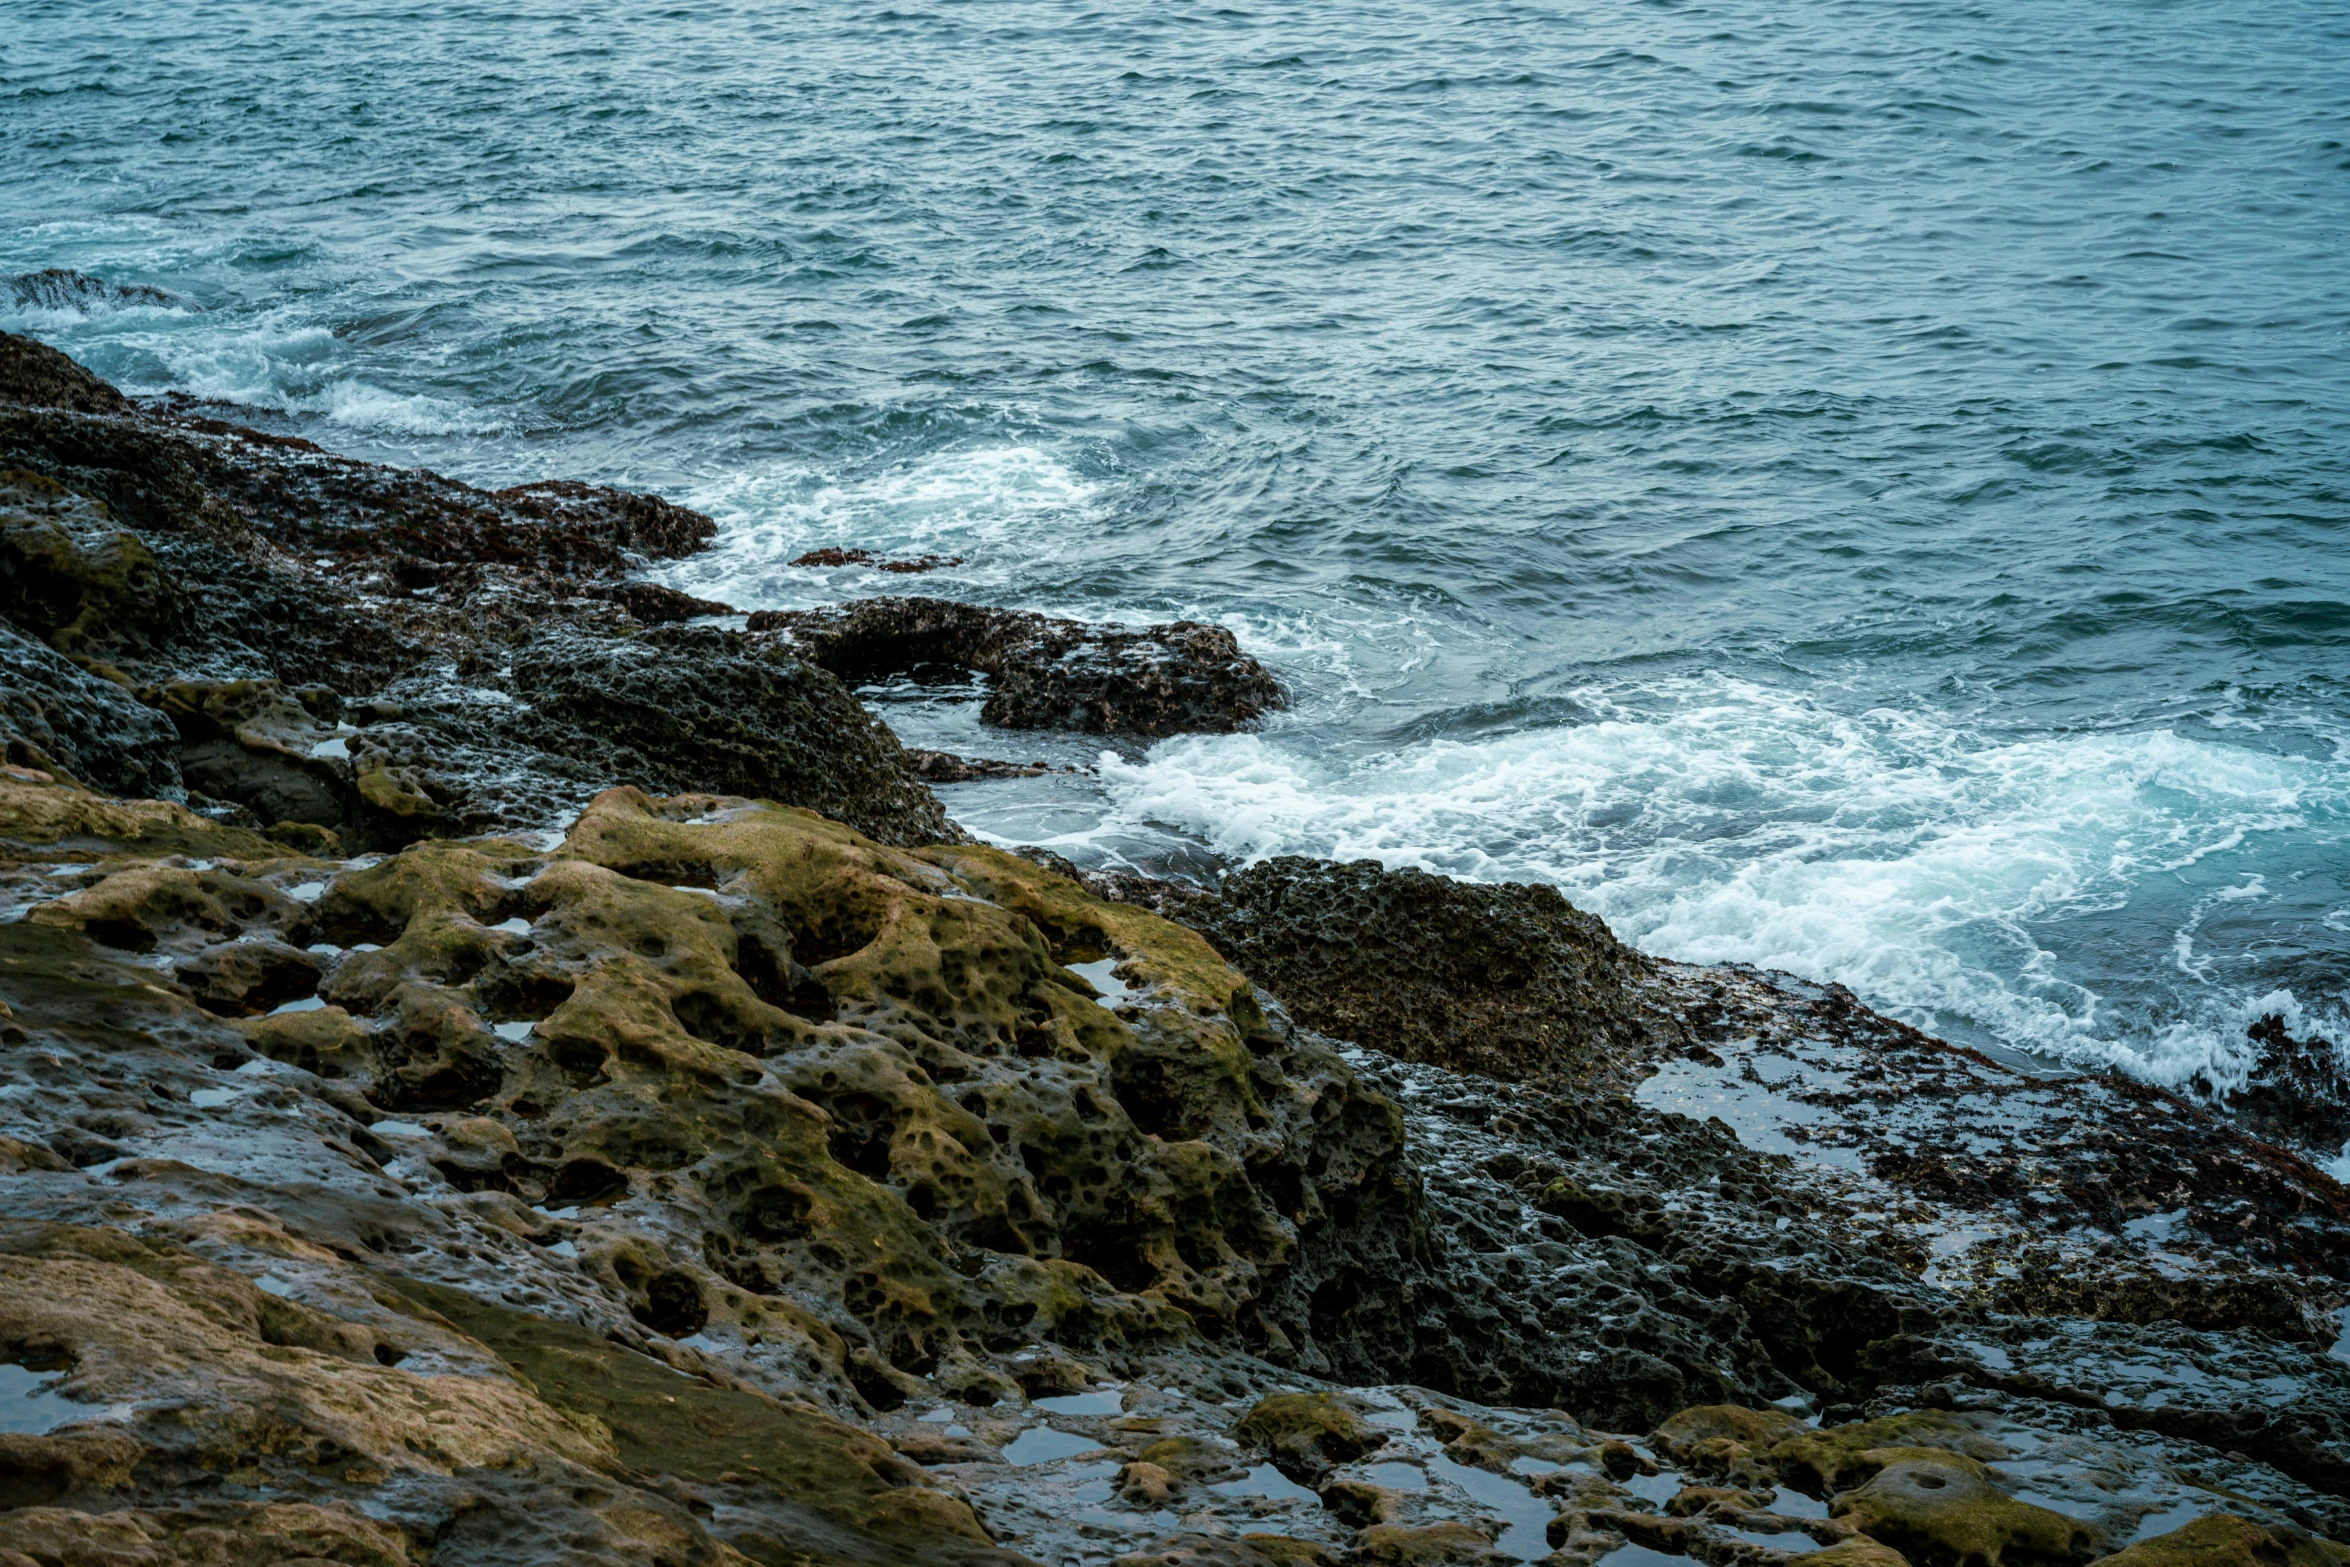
(1359,1504)
(1859,1551)
(1832,1459)
(1144,1484)
(1427,1545)
(2223,1540)
(1726,1441)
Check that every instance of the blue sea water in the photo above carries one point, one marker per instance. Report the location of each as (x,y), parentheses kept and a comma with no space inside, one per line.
(1851,485)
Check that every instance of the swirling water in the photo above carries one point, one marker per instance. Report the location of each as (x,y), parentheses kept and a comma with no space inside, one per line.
(1851,485)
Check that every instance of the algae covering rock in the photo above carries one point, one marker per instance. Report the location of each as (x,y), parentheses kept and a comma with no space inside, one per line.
(2223,1540)
(1944,1510)
(1727,1442)
(1307,1434)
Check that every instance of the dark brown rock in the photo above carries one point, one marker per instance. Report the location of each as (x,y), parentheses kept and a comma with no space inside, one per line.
(1508,980)
(1043,673)
(38,376)
(709,710)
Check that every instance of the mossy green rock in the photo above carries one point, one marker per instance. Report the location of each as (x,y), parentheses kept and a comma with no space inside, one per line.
(1859,1551)
(2224,1540)
(750,1448)
(861,1073)
(1727,1441)
(1837,1458)
(1428,1545)
(1943,1510)
(1307,1434)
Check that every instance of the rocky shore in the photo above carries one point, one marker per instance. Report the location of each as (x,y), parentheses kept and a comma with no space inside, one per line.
(502,1062)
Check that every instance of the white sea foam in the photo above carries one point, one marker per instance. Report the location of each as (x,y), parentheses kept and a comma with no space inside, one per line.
(1939,873)
(997,507)
(275,357)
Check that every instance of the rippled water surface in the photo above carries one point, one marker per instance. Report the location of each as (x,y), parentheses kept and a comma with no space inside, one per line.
(1857,487)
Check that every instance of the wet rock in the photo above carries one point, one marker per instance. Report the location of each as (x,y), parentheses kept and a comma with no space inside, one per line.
(2225,1541)
(1359,1504)
(61,288)
(38,376)
(1944,1511)
(240,977)
(1252,1550)
(834,555)
(60,718)
(223,1535)
(1144,1484)
(1726,1441)
(2299,1095)
(1307,1434)
(73,579)
(1511,981)
(2086,1195)
(1859,1551)
(1424,1545)
(706,710)
(945,767)
(1044,673)
(486,642)
(2281,1403)
(653,604)
(40,816)
(1837,1458)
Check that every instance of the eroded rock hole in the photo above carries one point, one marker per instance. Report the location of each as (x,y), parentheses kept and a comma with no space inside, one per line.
(580,1060)
(587,1181)
(835,935)
(706,1015)
(673,1305)
(777,1213)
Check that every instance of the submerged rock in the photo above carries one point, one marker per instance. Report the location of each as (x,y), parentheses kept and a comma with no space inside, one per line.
(61,288)
(1043,673)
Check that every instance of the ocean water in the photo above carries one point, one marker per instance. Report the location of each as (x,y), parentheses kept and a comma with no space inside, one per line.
(1853,486)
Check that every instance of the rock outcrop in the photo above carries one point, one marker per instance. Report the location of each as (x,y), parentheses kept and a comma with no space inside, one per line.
(1043,673)
(1511,980)
(404,654)
(750,1171)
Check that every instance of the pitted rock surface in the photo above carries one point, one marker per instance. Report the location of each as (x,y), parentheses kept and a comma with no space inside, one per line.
(58,716)
(1508,980)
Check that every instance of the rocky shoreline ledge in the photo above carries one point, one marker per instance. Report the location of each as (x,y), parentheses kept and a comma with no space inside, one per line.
(501,1062)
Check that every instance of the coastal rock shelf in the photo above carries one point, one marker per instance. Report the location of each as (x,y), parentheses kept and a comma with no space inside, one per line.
(499,1064)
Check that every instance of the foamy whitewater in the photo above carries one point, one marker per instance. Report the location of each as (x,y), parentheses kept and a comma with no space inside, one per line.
(1852,488)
